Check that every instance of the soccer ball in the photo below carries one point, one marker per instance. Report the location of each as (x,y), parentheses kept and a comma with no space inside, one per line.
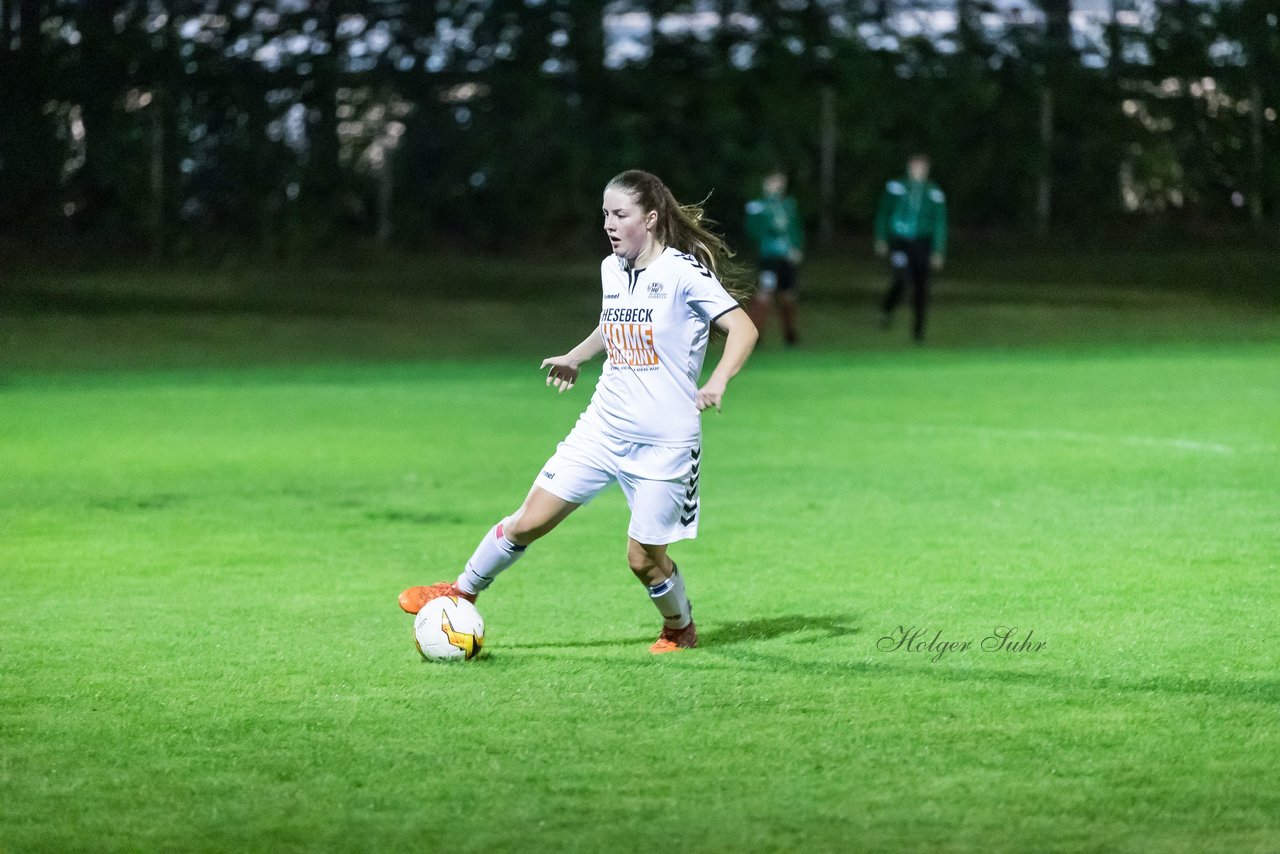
(448,629)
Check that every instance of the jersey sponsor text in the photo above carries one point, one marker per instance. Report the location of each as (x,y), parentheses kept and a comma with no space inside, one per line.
(626,315)
(630,343)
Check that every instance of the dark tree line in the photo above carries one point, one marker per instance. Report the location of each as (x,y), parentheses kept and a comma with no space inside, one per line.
(283,126)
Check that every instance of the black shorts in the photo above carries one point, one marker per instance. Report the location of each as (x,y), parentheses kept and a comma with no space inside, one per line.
(777,274)
(911,257)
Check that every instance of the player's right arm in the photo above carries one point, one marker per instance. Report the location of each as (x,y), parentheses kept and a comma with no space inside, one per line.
(757,220)
(563,371)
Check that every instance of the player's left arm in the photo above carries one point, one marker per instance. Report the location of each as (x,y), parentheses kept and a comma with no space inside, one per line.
(740,340)
(939,232)
(795,229)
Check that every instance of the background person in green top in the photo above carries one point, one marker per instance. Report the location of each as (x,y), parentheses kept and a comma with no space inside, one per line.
(911,230)
(774,223)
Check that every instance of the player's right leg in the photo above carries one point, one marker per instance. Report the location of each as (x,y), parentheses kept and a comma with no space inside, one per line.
(502,546)
(581,467)
(787,308)
(897,286)
(762,299)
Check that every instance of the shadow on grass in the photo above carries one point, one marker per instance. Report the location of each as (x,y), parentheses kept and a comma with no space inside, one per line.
(735,641)
(812,630)
(157,501)
(415,518)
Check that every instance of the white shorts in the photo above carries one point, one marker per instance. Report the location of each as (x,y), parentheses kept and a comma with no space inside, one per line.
(659,482)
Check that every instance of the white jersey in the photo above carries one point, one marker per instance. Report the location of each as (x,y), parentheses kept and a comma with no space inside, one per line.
(655,323)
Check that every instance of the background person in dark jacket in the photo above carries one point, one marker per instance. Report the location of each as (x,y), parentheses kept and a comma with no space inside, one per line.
(911,230)
(773,222)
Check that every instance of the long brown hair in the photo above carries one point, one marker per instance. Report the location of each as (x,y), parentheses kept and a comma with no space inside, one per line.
(683,227)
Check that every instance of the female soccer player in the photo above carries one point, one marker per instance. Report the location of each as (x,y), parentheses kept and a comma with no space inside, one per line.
(642,429)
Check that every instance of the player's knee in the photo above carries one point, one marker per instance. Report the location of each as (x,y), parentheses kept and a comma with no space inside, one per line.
(649,563)
(522,530)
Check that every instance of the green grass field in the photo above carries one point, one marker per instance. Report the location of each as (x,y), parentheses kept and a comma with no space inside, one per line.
(212,487)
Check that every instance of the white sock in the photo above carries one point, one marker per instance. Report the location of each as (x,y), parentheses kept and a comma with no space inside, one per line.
(494,554)
(669,598)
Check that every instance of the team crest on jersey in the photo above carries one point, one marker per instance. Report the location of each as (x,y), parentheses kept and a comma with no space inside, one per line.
(657,290)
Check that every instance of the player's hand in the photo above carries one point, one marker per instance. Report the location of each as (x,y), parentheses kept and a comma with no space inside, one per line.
(795,256)
(710,395)
(881,248)
(936,262)
(563,372)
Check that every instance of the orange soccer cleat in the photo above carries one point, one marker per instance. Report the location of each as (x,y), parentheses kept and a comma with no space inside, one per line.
(674,640)
(414,598)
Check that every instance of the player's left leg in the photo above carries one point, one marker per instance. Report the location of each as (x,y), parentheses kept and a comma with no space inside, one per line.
(658,572)
(661,487)
(788,310)
(920,258)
